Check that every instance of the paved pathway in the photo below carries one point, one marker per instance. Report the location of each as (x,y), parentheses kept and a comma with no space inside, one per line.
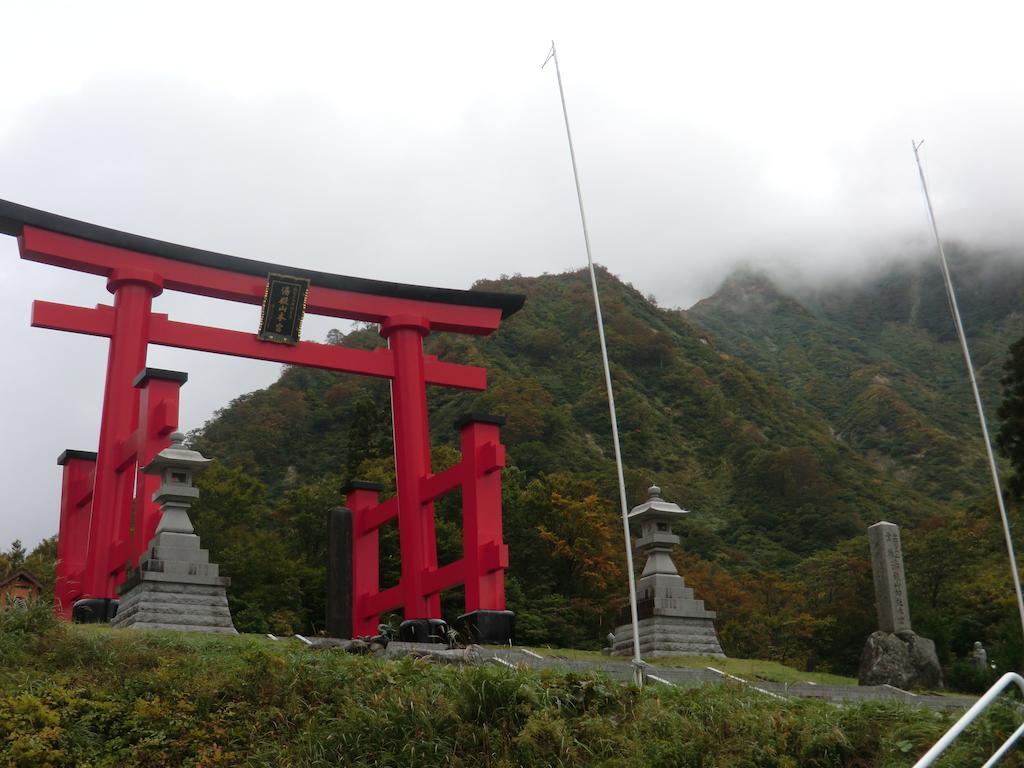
(683,677)
(689,677)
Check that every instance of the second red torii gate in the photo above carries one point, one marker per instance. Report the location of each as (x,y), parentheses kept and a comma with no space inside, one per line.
(100,536)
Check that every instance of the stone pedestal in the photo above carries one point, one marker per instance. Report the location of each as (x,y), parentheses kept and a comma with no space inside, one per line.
(671,620)
(175,587)
(904,660)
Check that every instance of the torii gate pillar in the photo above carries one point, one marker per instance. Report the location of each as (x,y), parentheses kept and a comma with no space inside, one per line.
(133,300)
(416,531)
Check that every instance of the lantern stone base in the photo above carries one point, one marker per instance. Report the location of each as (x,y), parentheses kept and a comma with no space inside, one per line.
(672,621)
(669,636)
(175,587)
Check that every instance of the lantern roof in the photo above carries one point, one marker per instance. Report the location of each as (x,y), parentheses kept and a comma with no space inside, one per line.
(176,455)
(655,506)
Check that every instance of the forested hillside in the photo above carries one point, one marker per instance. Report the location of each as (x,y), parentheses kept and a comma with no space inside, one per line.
(783,445)
(878,361)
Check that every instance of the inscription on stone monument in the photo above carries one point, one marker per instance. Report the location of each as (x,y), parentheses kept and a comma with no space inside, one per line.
(890,582)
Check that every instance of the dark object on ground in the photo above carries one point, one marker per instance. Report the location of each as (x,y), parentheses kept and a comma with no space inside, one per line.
(430,652)
(94,610)
(359,646)
(423,631)
(488,627)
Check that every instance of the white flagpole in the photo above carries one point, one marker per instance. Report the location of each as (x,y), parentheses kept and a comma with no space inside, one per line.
(962,336)
(638,663)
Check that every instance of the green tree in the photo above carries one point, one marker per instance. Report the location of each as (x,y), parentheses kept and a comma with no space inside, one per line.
(16,555)
(42,562)
(242,535)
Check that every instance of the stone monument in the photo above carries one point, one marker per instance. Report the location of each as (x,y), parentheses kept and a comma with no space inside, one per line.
(175,586)
(672,622)
(895,655)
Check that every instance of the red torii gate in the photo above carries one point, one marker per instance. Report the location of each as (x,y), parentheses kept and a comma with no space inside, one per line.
(107,513)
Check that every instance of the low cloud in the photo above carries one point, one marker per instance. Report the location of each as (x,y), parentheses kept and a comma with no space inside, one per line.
(399,164)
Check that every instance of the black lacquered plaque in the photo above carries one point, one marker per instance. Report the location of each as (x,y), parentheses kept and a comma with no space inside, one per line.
(284,304)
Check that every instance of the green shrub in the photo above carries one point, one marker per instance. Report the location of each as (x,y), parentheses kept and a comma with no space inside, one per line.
(89,695)
(962,675)
(21,628)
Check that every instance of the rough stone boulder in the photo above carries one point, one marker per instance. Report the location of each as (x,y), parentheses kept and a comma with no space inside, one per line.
(904,660)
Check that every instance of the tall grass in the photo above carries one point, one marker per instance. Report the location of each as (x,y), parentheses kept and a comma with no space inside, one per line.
(75,696)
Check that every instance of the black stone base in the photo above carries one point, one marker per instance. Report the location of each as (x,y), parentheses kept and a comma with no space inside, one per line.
(423,631)
(93,610)
(488,627)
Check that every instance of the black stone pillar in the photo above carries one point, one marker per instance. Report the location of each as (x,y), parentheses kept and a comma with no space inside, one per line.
(339,572)
(94,610)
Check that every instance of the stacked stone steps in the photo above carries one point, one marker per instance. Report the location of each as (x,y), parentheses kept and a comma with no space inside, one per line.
(175,587)
(670,636)
(178,554)
(163,605)
(667,595)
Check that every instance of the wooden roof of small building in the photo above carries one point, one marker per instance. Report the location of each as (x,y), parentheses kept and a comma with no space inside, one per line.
(20,573)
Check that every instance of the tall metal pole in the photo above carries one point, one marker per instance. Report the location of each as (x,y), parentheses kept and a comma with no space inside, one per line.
(951,295)
(638,663)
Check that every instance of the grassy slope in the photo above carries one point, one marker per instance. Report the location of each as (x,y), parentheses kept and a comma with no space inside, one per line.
(91,696)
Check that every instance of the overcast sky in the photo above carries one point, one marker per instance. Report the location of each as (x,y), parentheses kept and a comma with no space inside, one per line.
(424,144)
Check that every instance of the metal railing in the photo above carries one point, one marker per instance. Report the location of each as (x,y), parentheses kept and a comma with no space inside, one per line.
(969,717)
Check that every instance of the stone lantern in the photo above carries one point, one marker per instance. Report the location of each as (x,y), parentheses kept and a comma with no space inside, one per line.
(175,586)
(176,466)
(654,518)
(672,622)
